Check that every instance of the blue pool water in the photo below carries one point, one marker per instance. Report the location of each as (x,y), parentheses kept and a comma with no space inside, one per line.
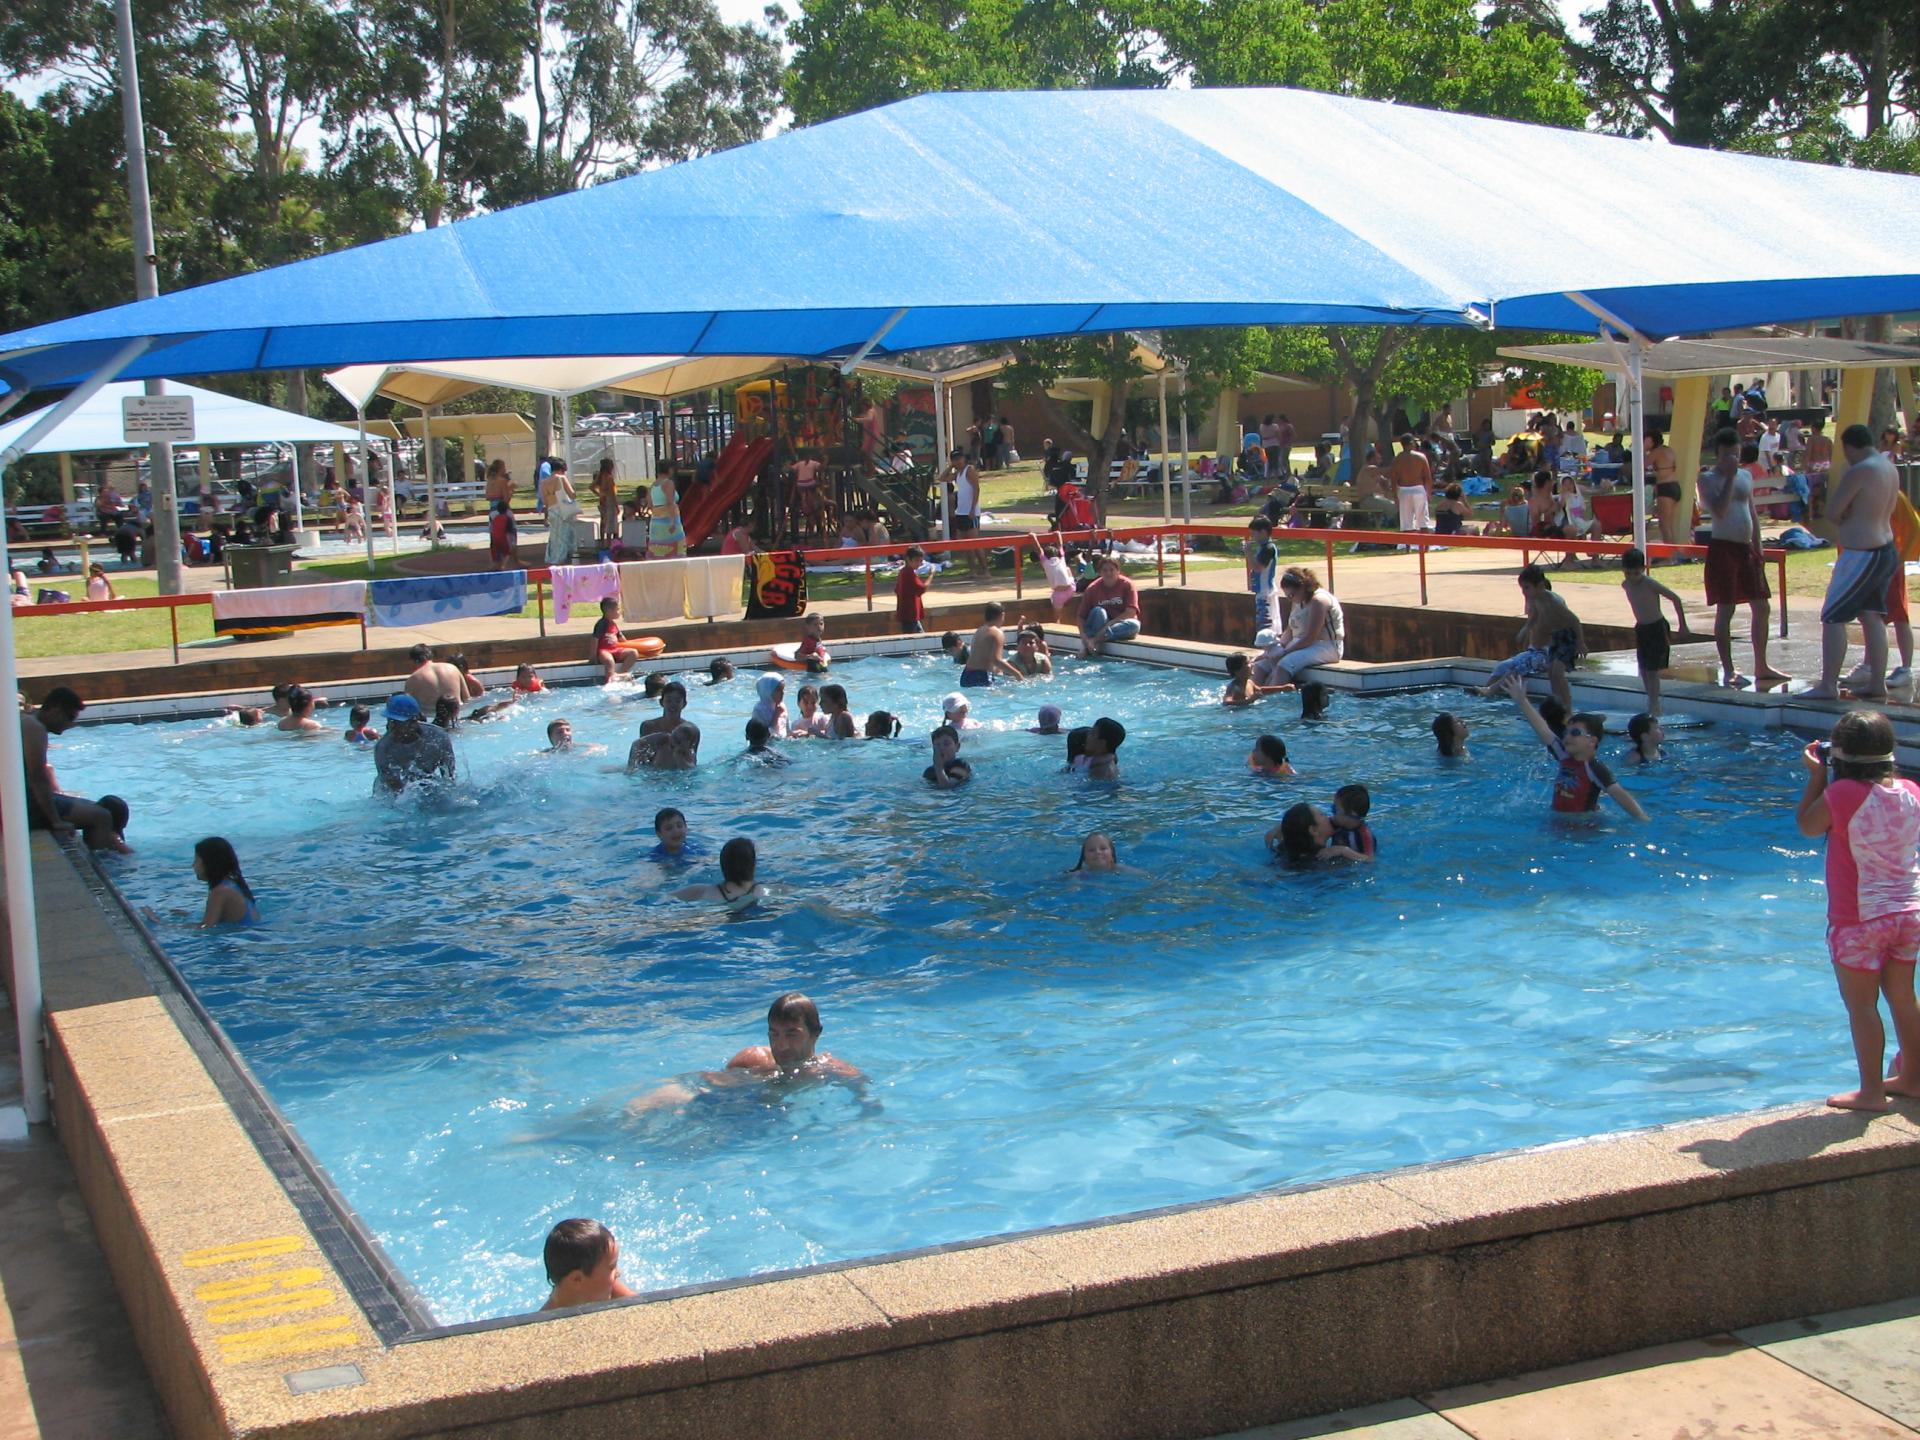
(453,1000)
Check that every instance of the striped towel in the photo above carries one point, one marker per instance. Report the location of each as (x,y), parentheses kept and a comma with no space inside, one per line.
(289,607)
(428,599)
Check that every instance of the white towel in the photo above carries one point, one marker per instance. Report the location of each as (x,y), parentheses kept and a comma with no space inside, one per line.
(653,590)
(716,586)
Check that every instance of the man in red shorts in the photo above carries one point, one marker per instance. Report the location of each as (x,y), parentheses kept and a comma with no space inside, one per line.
(1735,575)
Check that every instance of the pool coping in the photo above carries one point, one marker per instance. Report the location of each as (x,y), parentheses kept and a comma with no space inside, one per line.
(1172,1321)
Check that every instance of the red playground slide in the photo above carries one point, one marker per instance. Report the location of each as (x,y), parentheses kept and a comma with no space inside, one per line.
(702,506)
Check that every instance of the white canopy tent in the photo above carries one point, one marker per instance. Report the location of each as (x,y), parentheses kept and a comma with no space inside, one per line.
(220,422)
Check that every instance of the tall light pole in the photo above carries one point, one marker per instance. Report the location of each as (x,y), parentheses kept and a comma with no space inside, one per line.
(146,285)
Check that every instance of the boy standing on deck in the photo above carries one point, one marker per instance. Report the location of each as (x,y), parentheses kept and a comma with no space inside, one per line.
(1651,636)
(1263,568)
(910,591)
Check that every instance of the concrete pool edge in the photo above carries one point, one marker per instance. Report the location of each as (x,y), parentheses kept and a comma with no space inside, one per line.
(1182,1322)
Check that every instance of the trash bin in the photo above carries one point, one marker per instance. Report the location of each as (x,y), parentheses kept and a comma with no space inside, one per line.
(255,567)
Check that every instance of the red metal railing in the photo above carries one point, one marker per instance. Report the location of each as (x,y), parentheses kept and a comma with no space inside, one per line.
(1020,543)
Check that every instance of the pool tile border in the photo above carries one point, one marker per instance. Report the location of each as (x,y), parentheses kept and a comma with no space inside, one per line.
(1194,1320)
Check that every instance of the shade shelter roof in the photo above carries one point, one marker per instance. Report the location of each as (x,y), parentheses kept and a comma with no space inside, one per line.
(472,427)
(764,250)
(97,427)
(1673,358)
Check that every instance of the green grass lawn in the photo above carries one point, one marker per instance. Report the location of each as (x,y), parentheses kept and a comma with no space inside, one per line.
(38,638)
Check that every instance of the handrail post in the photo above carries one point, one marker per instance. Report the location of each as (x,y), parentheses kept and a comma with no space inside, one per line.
(1421,546)
(1020,567)
(363,632)
(869,582)
(173,623)
(1183,557)
(1329,540)
(1160,555)
(540,602)
(1783,591)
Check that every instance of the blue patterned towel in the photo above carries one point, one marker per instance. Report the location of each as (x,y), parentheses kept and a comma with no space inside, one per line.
(429,599)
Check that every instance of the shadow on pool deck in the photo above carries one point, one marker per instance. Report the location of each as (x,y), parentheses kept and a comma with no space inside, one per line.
(69,1369)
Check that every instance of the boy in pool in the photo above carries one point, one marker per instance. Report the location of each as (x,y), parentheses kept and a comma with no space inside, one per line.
(1350,828)
(559,735)
(673,704)
(676,749)
(1242,689)
(583,1265)
(1651,638)
(953,647)
(948,770)
(812,650)
(1583,778)
(719,670)
(1049,721)
(360,729)
(759,750)
(670,829)
(790,1056)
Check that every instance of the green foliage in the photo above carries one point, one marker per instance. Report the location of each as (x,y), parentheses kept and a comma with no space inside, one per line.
(851,55)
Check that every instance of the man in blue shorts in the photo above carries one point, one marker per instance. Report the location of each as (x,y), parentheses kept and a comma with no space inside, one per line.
(1860,508)
(987,651)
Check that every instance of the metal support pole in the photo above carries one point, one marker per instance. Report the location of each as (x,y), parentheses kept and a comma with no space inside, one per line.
(1329,562)
(1186,476)
(869,582)
(540,602)
(173,623)
(22,924)
(1636,408)
(146,285)
(431,463)
(366,482)
(1166,476)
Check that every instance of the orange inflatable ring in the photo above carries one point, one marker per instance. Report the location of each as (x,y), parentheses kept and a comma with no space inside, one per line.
(646,646)
(785,658)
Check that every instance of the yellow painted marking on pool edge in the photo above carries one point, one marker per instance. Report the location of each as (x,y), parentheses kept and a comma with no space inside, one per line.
(300,1338)
(244,1250)
(295,1278)
(265,1305)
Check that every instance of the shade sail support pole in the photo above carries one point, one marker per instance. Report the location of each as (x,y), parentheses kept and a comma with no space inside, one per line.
(852,363)
(1632,370)
(23,928)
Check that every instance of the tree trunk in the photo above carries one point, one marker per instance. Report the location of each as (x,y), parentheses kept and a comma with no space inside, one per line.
(543,427)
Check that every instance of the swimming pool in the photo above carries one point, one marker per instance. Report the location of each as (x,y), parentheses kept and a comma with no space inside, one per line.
(454,999)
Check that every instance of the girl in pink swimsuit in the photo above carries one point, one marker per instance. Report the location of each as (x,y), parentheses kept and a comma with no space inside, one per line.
(1871,818)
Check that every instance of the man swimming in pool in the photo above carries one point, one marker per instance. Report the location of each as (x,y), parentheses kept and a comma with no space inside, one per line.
(987,651)
(790,1057)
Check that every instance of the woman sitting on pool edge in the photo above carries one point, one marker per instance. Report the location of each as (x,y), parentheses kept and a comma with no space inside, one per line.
(737,888)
